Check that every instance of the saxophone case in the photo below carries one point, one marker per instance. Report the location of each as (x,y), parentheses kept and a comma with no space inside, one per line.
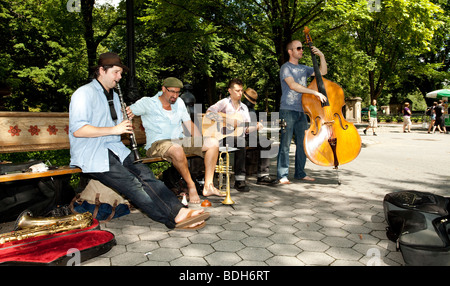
(60,249)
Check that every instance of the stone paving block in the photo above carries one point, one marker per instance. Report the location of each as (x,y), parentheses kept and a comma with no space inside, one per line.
(312,245)
(284,238)
(227,245)
(254,254)
(219,258)
(189,261)
(197,250)
(315,258)
(258,231)
(142,246)
(128,258)
(284,261)
(232,235)
(343,253)
(124,239)
(205,238)
(256,241)
(174,242)
(284,249)
(164,254)
(338,241)
(154,235)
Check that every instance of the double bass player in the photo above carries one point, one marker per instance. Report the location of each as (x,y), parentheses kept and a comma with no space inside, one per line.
(293,77)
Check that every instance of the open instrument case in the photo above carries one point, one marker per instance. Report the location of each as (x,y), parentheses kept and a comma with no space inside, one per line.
(60,249)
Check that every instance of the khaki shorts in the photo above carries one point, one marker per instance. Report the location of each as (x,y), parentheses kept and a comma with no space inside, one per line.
(191,145)
(373,122)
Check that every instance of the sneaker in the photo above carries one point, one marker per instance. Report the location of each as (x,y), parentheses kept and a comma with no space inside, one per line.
(241,186)
(365,132)
(266,180)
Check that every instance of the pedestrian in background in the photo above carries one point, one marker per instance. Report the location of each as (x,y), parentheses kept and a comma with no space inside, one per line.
(406,117)
(373,121)
(432,111)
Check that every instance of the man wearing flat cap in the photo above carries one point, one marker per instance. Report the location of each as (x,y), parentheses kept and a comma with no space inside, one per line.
(96,124)
(163,117)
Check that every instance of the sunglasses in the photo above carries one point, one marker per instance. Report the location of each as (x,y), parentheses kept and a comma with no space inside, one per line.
(299,48)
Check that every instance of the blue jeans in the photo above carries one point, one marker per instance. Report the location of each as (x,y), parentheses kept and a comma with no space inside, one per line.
(138,184)
(296,124)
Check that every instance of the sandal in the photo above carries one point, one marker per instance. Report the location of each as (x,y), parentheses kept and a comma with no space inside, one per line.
(189,220)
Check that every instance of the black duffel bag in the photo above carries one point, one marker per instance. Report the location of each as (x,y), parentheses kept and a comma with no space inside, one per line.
(39,196)
(418,222)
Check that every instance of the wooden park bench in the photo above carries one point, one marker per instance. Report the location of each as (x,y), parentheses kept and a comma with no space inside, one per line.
(42,131)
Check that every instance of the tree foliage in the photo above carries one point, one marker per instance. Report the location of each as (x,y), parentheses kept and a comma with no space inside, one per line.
(374,49)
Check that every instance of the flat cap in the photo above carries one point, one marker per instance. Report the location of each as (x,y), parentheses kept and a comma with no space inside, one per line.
(172,82)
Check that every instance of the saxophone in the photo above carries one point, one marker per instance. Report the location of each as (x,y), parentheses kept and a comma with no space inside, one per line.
(27,226)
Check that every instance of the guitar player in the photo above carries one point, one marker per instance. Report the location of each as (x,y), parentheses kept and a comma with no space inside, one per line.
(237,113)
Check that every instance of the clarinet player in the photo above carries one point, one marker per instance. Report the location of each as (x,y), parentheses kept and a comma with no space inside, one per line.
(96,148)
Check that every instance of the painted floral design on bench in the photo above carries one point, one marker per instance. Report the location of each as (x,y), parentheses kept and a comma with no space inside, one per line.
(34,130)
(14,130)
(52,130)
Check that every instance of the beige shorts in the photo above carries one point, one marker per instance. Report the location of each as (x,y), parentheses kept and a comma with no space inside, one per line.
(191,145)
(373,122)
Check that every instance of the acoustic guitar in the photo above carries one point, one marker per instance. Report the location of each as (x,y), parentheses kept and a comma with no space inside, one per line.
(220,125)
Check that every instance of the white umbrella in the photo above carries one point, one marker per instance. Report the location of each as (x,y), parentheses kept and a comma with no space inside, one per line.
(439,93)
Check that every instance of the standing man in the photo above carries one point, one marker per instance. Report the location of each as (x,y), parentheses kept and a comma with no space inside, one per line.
(234,108)
(95,128)
(163,117)
(373,121)
(293,77)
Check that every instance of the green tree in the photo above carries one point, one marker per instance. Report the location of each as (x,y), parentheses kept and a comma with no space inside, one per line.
(40,55)
(396,30)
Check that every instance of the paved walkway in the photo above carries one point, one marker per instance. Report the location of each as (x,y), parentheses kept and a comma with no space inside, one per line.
(319,223)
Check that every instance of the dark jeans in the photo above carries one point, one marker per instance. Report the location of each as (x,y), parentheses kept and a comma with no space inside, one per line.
(296,124)
(138,184)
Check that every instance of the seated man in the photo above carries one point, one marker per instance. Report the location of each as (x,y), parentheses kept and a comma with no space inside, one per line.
(237,116)
(95,129)
(163,117)
(262,144)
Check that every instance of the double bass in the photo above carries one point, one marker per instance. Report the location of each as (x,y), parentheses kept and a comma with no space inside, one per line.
(330,140)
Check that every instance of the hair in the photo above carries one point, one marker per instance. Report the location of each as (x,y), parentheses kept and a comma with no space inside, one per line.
(406,103)
(290,44)
(440,101)
(97,70)
(235,81)
(435,103)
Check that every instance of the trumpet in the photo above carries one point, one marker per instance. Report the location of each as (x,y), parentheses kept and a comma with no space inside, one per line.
(134,148)
(224,168)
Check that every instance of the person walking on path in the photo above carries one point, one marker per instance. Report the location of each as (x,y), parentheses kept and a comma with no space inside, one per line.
(406,117)
(373,121)
(440,123)
(432,111)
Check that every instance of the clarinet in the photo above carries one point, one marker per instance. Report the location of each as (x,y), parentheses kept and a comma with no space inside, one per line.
(132,136)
